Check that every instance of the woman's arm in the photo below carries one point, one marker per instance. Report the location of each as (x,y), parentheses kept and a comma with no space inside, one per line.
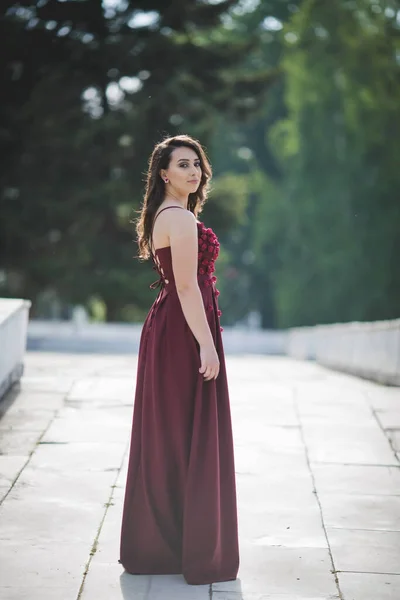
(184,250)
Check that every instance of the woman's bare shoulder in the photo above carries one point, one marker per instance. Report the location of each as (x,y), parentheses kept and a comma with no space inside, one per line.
(180,215)
(179,212)
(181,221)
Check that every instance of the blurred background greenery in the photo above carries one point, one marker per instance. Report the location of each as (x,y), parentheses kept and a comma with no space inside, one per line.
(297,103)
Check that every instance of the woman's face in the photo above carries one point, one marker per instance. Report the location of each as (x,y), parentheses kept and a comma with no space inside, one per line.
(184,170)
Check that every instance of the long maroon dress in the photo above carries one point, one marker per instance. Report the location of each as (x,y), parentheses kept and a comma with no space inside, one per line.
(179,512)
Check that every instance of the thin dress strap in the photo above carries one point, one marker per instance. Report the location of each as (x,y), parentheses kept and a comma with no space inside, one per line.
(152,227)
(159,281)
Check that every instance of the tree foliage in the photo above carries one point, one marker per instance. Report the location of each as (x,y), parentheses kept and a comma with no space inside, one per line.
(340,147)
(88,88)
(325,235)
(297,103)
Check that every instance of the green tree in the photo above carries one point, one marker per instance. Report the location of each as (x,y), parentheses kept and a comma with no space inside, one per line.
(320,236)
(340,147)
(88,90)
(242,145)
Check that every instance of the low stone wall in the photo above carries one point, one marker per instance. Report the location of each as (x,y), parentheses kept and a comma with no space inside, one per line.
(13,332)
(124,338)
(370,350)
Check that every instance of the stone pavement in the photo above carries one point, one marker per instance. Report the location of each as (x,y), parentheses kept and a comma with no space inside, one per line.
(317,476)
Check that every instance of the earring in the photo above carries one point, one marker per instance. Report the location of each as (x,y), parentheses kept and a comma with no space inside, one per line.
(166,180)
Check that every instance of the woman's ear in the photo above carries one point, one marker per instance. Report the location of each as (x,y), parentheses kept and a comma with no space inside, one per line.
(163,176)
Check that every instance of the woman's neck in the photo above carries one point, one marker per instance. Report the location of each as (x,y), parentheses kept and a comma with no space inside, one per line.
(172,197)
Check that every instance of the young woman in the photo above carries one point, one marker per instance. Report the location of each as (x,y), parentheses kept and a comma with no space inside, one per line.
(179,511)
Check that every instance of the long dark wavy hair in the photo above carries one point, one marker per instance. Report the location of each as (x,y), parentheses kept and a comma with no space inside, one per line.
(155,186)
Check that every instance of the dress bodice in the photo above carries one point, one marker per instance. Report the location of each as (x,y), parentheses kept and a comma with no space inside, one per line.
(208,251)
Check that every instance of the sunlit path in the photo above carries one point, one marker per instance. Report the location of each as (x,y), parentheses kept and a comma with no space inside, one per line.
(317,475)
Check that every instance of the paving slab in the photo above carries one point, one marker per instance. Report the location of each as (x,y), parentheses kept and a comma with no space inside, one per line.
(271,570)
(255,459)
(33,401)
(21,443)
(83,456)
(277,413)
(333,392)
(105,581)
(369,586)
(52,521)
(315,473)
(46,383)
(289,528)
(102,388)
(274,438)
(39,565)
(250,388)
(357,479)
(83,487)
(89,425)
(24,419)
(365,550)
(169,587)
(322,413)
(389,419)
(394,437)
(382,397)
(354,511)
(250,596)
(257,494)
(348,444)
(10,466)
(269,516)
(27,592)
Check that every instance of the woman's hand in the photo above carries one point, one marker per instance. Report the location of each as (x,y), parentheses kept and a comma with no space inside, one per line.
(209,362)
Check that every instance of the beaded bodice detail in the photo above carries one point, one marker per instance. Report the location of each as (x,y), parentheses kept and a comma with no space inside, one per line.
(208,252)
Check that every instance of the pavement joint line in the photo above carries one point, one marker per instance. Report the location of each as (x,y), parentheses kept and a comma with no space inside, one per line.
(351,464)
(17,476)
(375,415)
(333,569)
(376,495)
(363,529)
(371,572)
(107,505)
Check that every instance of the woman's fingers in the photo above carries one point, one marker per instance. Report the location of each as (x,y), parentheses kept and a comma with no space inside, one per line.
(208,373)
(210,364)
(211,373)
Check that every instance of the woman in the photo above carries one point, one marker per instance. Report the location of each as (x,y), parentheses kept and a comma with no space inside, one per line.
(179,511)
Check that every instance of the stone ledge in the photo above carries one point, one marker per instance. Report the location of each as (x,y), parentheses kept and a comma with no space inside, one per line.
(13,332)
(124,338)
(366,349)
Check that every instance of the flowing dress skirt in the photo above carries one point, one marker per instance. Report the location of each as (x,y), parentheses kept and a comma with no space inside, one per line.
(180,513)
